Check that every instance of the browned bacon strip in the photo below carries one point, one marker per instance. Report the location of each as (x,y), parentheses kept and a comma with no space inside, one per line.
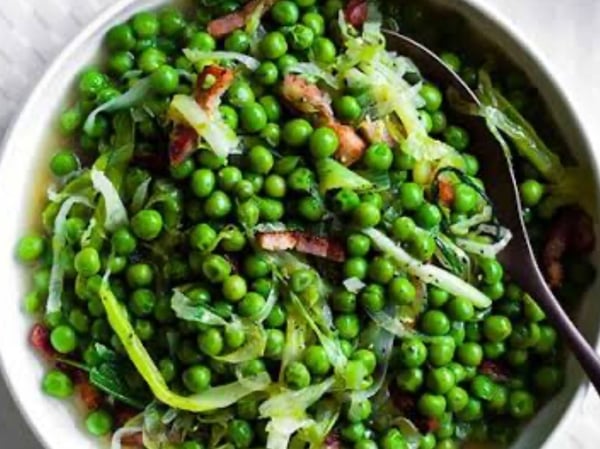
(208,98)
(352,147)
(39,338)
(183,142)
(375,131)
(227,24)
(571,232)
(446,192)
(302,242)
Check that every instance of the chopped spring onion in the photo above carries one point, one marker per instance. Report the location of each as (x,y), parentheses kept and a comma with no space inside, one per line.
(489,251)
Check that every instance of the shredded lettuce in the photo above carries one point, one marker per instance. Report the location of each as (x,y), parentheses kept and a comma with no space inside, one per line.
(59,242)
(222,140)
(391,323)
(212,399)
(295,340)
(287,412)
(427,273)
(353,285)
(333,175)
(197,56)
(253,348)
(312,70)
(488,250)
(135,95)
(326,417)
(186,310)
(140,196)
(269,304)
(462,228)
(116,213)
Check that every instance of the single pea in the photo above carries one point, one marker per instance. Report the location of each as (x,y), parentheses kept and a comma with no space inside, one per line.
(439,122)
(145,25)
(345,201)
(142,302)
(411,196)
(30,248)
(297,132)
(151,59)
(428,216)
(366,215)
(435,322)
(494,291)
(311,208)
(323,142)
(238,41)
(171,22)
(356,267)
(202,237)
(99,423)
(271,106)
(410,380)
(413,353)
(120,38)
(273,45)
(547,340)
(521,404)
(267,73)
(531,192)
(235,337)
(147,224)
(260,159)
(470,354)
(216,268)
(457,137)
(286,62)
(348,325)
(271,210)
(548,379)
(492,270)
(285,13)
(457,399)
(431,405)
(497,328)
(437,297)
(372,298)
(381,270)
(300,37)
(165,80)
(465,199)
(57,384)
(253,117)
(473,411)
(275,344)
(440,380)
(423,245)
(197,378)
(323,50)
(452,60)
(367,358)
(353,432)
(378,157)
(460,309)
(240,94)
(256,266)
(63,163)
(218,205)
(63,339)
(211,342)
(87,262)
(316,360)
(402,291)
(234,288)
(251,305)
(91,83)
(358,245)
(433,97)
(240,433)
(441,352)
(482,387)
(297,375)
(301,179)
(202,41)
(347,108)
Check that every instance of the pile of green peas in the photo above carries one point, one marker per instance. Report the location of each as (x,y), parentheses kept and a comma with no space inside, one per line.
(476,375)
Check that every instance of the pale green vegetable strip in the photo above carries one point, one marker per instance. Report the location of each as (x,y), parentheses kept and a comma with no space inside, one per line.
(430,274)
(116,213)
(212,399)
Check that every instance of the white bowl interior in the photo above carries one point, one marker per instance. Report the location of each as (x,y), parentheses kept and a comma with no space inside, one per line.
(56,423)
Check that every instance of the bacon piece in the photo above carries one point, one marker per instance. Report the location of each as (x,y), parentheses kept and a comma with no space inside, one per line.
(495,370)
(446,192)
(352,147)
(305,97)
(134,441)
(227,24)
(183,142)
(90,395)
(39,338)
(356,12)
(209,98)
(302,242)
(332,441)
(375,131)
(571,232)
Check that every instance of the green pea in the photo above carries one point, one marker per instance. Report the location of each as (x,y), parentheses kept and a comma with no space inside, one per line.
(435,322)
(271,106)
(410,380)
(301,179)
(457,399)
(402,291)
(253,117)
(165,80)
(457,137)
(121,62)
(431,405)
(285,13)
(300,37)
(271,210)
(260,159)
(147,224)
(202,41)
(240,433)
(470,354)
(531,192)
(234,288)
(142,302)
(366,215)
(151,59)
(171,21)
(70,120)
(30,248)
(347,108)
(197,378)
(378,157)
(87,262)
(323,50)
(521,404)
(211,342)
(297,375)
(548,379)
(353,432)
(411,196)
(372,297)
(235,337)
(297,132)
(432,96)
(63,339)
(452,60)
(267,73)
(428,216)
(315,22)
(472,411)
(497,328)
(286,62)
(57,384)
(120,38)
(202,237)
(238,41)
(145,25)
(460,309)
(465,199)
(413,353)
(311,208)
(316,360)
(216,268)
(275,344)
(273,45)
(441,352)
(63,163)
(251,305)
(248,213)
(240,94)
(358,245)
(547,340)
(99,423)
(323,142)
(348,325)
(218,205)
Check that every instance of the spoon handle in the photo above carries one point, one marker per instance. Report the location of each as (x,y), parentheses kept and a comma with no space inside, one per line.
(581,348)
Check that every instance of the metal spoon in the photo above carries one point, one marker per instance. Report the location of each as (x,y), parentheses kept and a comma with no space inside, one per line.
(518,257)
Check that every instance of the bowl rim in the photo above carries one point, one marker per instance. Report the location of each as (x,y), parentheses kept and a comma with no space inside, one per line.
(482,7)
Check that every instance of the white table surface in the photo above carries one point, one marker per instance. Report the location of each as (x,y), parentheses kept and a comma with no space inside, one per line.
(565,32)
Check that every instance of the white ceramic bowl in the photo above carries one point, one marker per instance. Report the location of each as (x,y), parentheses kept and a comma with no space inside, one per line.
(57,424)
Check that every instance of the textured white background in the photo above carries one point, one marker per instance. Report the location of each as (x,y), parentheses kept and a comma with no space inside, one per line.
(565,32)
